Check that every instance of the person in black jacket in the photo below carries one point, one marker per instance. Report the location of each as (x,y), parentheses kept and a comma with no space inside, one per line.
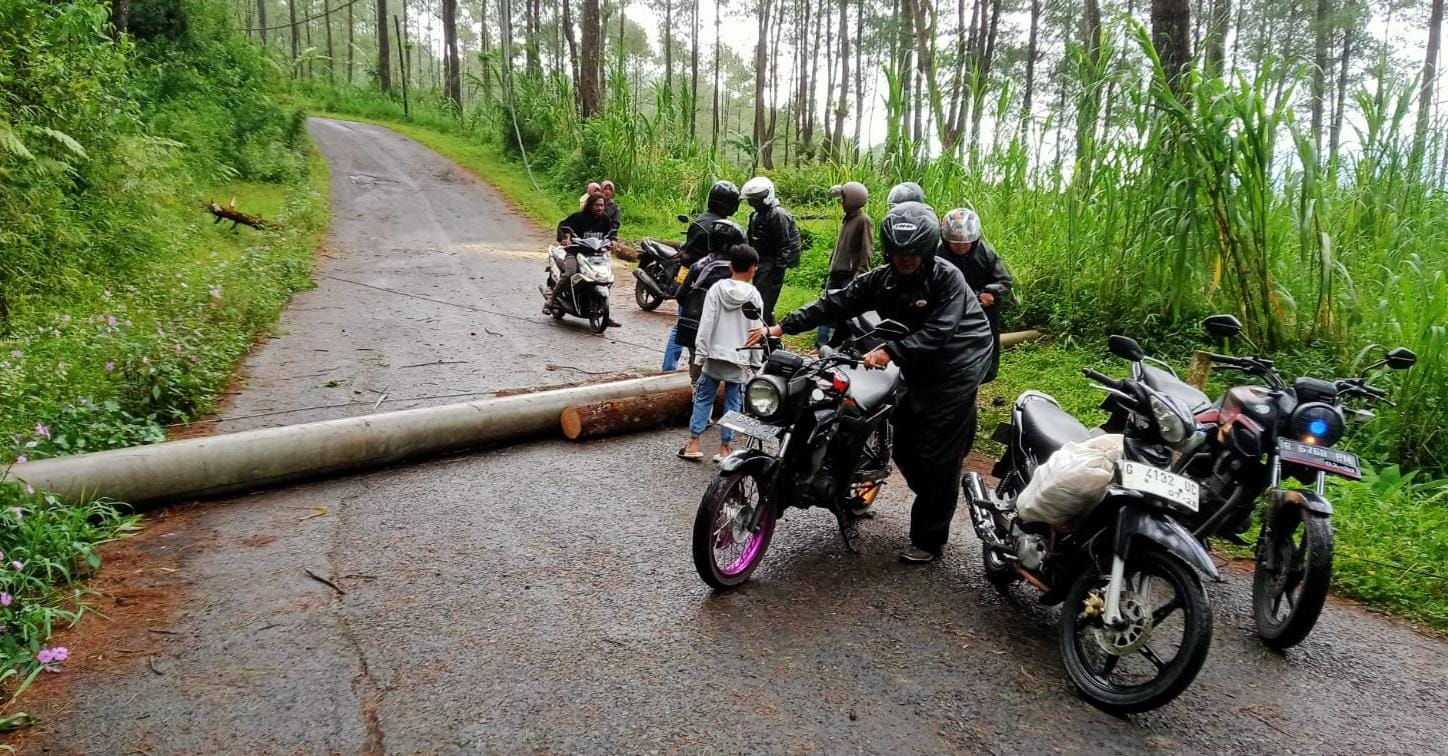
(704,238)
(774,235)
(983,269)
(588,221)
(942,362)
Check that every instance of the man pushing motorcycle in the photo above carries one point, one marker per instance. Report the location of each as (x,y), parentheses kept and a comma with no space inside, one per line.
(942,361)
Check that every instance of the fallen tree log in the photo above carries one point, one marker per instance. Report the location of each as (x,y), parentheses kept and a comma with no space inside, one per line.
(229,212)
(585,421)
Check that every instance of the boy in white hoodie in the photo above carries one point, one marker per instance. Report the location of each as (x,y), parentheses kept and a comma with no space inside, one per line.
(723,329)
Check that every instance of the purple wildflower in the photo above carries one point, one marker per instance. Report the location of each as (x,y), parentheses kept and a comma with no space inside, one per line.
(22,459)
(41,430)
(5,598)
(17,564)
(16,353)
(110,366)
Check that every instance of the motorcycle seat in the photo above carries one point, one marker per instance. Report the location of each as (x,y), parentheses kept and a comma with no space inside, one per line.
(870,388)
(1175,387)
(659,249)
(1045,427)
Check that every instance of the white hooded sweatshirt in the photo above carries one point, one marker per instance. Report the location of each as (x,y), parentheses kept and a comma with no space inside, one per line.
(723,328)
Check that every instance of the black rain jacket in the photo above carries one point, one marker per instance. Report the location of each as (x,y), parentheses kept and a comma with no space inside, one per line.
(775,236)
(983,269)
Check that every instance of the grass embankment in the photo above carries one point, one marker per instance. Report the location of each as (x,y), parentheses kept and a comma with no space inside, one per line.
(1392,530)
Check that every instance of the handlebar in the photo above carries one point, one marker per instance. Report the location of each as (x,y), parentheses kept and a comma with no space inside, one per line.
(1103,379)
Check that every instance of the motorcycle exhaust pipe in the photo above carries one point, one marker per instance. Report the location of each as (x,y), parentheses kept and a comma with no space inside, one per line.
(649,283)
(975,487)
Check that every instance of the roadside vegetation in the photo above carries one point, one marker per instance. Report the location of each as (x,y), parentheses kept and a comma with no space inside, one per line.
(123,307)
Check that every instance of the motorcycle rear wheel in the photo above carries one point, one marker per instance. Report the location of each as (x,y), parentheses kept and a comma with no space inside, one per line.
(1095,656)
(1299,545)
(648,301)
(732,529)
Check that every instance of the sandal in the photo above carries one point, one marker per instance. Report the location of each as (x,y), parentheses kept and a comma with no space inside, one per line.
(691,456)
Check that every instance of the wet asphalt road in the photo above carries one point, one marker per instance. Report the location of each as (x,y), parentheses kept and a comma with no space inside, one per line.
(541,597)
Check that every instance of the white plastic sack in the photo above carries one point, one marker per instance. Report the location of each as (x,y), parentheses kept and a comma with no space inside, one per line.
(1071,482)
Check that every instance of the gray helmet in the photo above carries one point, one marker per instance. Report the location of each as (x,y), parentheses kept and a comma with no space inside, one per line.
(724,198)
(910,229)
(906,191)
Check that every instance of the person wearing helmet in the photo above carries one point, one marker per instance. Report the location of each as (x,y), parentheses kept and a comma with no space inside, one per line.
(962,245)
(611,210)
(905,191)
(774,235)
(851,257)
(705,237)
(942,361)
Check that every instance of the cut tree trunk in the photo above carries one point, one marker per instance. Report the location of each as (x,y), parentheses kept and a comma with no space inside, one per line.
(585,421)
(229,212)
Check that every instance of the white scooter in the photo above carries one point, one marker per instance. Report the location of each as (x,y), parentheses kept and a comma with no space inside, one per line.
(586,295)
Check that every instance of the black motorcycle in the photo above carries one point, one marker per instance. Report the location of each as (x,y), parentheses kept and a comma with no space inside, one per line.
(661,268)
(1135,622)
(819,437)
(586,295)
(1259,438)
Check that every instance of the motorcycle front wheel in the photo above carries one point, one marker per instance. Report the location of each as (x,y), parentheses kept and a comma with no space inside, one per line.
(598,319)
(648,301)
(1292,575)
(1158,648)
(732,529)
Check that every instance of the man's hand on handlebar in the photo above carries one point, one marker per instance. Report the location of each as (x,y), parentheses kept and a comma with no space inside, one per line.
(877,359)
(757,335)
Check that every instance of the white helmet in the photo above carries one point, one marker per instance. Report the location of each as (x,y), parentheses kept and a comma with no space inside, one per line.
(961,226)
(761,189)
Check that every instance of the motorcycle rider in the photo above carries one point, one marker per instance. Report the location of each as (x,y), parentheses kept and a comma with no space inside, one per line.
(853,247)
(610,208)
(983,270)
(700,241)
(589,220)
(942,362)
(772,233)
(905,191)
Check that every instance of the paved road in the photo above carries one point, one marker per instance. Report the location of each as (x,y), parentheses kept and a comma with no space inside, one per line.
(541,598)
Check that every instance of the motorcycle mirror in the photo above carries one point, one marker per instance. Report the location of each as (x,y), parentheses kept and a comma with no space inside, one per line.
(1222,326)
(1401,358)
(682,218)
(751,311)
(1126,348)
(891,329)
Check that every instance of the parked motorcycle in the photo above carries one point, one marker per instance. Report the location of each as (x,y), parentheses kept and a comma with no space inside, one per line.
(1135,622)
(661,269)
(586,295)
(1258,439)
(819,436)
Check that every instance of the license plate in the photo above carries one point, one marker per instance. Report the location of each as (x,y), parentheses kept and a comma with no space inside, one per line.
(1334,461)
(1170,486)
(749,426)
(681,275)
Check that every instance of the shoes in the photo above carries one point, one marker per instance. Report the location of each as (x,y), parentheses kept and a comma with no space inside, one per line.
(547,305)
(916,555)
(614,323)
(693,456)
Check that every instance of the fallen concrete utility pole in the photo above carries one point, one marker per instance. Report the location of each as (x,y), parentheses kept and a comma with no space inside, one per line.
(1017,338)
(252,460)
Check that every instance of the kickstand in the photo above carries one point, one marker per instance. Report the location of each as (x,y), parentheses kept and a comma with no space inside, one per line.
(847,530)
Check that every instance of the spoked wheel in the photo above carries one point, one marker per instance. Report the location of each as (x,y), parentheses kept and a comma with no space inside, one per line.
(732,530)
(1160,645)
(648,301)
(1294,568)
(598,321)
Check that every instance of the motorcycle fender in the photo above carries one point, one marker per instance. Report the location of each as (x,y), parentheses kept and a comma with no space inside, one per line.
(752,461)
(648,282)
(1137,522)
(601,291)
(1309,500)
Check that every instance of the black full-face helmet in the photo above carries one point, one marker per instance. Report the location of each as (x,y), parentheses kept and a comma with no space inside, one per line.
(905,191)
(724,198)
(910,229)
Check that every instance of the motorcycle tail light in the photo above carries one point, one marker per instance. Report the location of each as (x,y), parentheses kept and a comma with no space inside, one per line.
(840,382)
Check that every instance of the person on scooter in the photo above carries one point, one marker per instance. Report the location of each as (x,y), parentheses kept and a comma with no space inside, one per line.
(942,362)
(610,208)
(700,241)
(772,233)
(983,270)
(589,220)
(853,247)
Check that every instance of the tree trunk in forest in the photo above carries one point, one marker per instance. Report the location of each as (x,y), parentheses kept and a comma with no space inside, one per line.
(260,16)
(767,147)
(1171,33)
(573,65)
(384,62)
(331,57)
(1030,67)
(859,73)
(121,11)
(978,108)
(296,34)
(693,69)
(843,107)
(1428,83)
(588,85)
(307,28)
(450,53)
(812,86)
(534,60)
(1341,107)
(1321,28)
(761,50)
(1086,110)
(351,29)
(714,129)
(1216,37)
(925,76)
(669,47)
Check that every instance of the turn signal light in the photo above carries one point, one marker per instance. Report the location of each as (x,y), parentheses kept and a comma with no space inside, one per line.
(840,382)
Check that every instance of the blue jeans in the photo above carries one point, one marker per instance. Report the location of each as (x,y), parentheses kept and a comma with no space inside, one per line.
(704,392)
(673,351)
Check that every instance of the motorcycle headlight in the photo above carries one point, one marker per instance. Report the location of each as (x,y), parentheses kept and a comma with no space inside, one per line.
(1173,427)
(1317,423)
(764,397)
